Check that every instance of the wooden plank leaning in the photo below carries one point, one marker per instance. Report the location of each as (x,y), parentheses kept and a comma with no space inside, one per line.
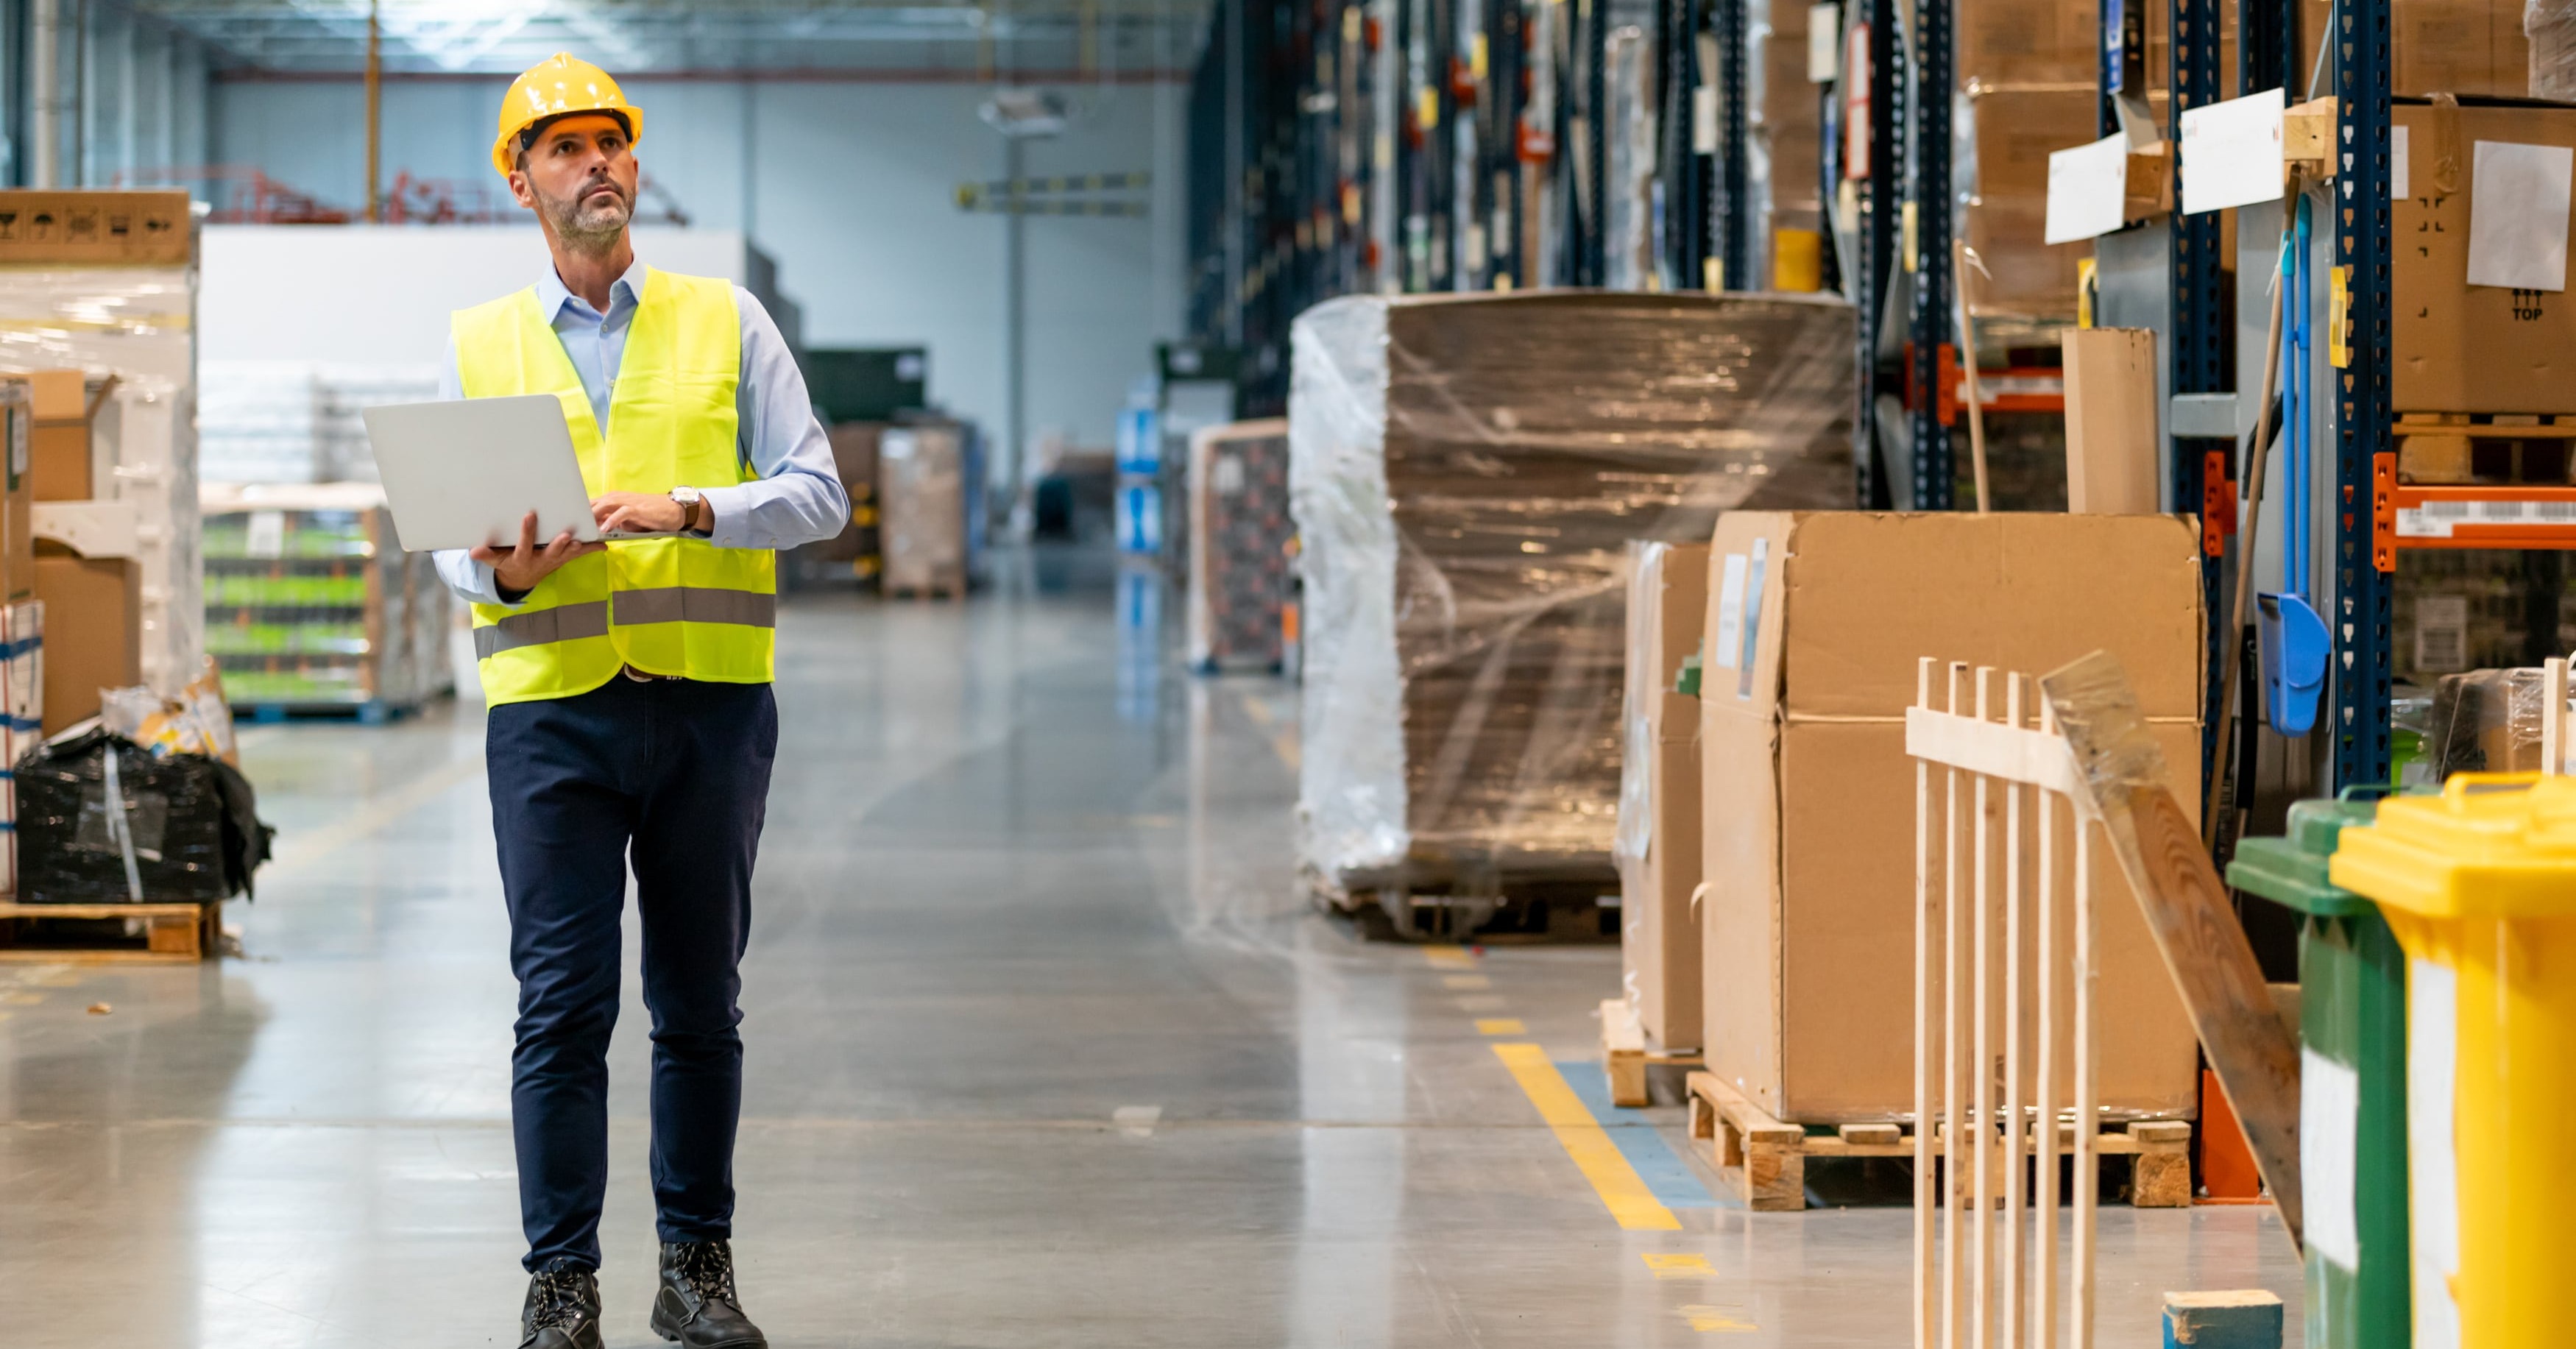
(2122,781)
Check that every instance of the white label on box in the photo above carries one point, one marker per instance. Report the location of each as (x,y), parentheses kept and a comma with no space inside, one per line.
(2441,633)
(2329,1125)
(1228,477)
(1704,120)
(1730,614)
(2518,198)
(2397,177)
(1824,43)
(2231,153)
(267,535)
(1752,617)
(2432,1157)
(2088,190)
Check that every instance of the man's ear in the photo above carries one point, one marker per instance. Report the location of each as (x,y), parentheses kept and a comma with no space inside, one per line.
(519,185)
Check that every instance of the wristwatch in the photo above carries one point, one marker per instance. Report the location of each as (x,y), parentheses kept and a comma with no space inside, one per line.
(688,497)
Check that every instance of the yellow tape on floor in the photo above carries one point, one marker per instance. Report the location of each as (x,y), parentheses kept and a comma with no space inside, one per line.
(1584,1140)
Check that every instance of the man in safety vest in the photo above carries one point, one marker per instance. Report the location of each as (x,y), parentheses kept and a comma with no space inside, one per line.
(630,703)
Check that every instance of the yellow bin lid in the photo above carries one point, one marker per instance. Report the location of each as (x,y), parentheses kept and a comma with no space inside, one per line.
(2492,845)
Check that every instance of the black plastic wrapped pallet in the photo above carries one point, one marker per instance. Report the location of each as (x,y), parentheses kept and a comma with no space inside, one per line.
(193,824)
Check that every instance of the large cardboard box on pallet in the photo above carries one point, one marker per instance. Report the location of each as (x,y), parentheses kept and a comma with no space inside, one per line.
(922,487)
(1816,622)
(2459,347)
(1657,847)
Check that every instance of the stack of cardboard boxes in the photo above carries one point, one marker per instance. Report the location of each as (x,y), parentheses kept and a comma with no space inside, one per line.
(1657,846)
(85,569)
(1801,950)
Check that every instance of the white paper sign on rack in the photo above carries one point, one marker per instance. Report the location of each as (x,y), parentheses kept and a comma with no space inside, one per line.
(2088,190)
(2518,198)
(2231,153)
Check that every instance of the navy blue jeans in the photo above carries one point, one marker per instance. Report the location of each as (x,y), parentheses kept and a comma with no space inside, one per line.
(674,774)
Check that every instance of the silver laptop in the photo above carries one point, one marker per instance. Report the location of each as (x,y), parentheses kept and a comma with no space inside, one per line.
(462,473)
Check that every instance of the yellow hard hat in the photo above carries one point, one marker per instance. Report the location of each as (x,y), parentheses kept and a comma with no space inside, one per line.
(559,84)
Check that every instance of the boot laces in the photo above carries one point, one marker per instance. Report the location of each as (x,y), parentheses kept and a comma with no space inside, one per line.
(708,1267)
(555,1299)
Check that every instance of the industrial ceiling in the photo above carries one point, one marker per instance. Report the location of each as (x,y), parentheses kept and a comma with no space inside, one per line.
(1054,39)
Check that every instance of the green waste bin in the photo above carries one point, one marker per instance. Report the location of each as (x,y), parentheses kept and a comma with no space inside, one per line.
(2352,1113)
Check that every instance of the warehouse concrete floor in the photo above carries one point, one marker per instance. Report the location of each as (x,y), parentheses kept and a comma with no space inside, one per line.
(1045,1049)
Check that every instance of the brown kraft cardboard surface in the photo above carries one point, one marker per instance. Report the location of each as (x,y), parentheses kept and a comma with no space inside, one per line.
(2458,347)
(93,632)
(2110,420)
(1807,823)
(1659,950)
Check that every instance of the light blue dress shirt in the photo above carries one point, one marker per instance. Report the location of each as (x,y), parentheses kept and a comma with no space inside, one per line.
(796,498)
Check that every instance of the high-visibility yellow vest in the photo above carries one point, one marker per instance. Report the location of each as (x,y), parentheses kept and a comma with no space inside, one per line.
(666,606)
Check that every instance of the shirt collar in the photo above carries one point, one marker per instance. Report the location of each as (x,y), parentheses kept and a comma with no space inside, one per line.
(623,293)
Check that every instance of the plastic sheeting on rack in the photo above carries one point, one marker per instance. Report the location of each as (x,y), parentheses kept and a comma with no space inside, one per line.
(1466,474)
(139,324)
(1636,821)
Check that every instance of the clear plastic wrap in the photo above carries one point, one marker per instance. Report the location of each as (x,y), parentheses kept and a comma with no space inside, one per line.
(1467,474)
(1636,729)
(2485,721)
(138,324)
(2551,27)
(921,477)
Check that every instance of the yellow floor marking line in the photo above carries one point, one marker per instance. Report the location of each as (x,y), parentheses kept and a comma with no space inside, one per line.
(1622,1192)
(1284,745)
(1449,957)
(1465,981)
(1680,1265)
(1501,1025)
(376,814)
(1258,712)
(1709,1320)
(1480,1002)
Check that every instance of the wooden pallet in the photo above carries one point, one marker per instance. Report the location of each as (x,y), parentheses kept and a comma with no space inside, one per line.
(2455,449)
(173,934)
(1766,1160)
(935,592)
(1627,1055)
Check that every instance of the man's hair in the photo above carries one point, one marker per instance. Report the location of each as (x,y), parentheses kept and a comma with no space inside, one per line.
(529,134)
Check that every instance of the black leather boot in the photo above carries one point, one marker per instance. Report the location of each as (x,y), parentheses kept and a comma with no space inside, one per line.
(562,1311)
(698,1306)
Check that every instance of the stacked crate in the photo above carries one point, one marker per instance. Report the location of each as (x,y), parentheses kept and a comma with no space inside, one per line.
(1239,541)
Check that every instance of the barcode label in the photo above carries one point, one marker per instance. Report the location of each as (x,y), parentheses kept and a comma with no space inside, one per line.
(2441,633)
(2436,519)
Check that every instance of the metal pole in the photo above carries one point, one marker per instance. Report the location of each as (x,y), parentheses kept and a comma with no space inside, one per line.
(78,101)
(45,79)
(375,115)
(1015,318)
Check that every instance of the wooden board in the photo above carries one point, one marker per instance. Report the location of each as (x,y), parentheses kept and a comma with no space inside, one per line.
(2122,782)
(1627,1054)
(175,934)
(1765,1160)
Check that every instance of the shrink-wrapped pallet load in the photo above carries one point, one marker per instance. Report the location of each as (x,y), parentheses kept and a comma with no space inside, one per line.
(1466,475)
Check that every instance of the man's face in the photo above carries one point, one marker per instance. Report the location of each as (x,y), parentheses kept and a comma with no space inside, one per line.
(580,177)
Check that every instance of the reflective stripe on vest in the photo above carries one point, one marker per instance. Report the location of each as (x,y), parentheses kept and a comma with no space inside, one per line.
(665,606)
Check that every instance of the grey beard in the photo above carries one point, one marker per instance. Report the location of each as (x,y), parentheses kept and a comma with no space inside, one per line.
(591,229)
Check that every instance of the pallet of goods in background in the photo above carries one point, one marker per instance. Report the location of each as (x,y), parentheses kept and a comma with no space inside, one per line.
(1466,477)
(1239,545)
(927,485)
(313,606)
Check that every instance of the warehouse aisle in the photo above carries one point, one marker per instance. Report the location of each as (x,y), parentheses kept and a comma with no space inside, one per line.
(1044,1050)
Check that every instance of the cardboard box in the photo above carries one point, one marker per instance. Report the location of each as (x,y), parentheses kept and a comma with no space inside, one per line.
(2110,420)
(1807,833)
(2016,128)
(2458,347)
(1658,934)
(2468,47)
(150,227)
(60,443)
(93,633)
(2029,40)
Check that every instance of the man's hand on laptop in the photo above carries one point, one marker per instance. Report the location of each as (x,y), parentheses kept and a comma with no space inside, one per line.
(519,568)
(638,513)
